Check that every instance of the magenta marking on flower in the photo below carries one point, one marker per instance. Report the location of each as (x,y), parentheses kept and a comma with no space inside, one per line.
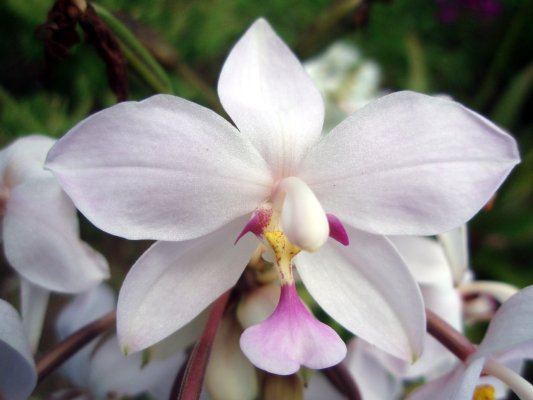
(257,223)
(337,230)
(292,337)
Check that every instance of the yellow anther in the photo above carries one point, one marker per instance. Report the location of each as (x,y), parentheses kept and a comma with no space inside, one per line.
(484,392)
(284,252)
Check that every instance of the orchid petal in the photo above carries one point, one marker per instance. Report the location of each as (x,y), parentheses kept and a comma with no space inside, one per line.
(33,304)
(458,384)
(373,381)
(112,373)
(173,282)
(425,258)
(292,337)
(41,239)
(511,326)
(267,93)
(367,288)
(436,359)
(24,159)
(163,168)
(85,308)
(409,164)
(320,388)
(18,376)
(455,245)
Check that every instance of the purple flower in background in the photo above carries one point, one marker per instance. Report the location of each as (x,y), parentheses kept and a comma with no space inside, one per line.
(449,10)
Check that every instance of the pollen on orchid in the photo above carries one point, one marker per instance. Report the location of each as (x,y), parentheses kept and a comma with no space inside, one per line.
(484,392)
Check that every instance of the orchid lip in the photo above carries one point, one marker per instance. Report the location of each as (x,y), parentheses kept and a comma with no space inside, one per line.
(292,337)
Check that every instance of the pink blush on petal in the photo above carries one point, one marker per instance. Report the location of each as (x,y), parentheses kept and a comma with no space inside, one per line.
(292,337)
(337,231)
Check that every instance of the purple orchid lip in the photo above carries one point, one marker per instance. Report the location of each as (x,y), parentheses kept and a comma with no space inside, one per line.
(292,337)
(337,230)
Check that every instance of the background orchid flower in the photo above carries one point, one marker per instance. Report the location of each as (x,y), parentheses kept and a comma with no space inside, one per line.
(346,80)
(480,298)
(170,170)
(18,376)
(40,232)
(508,337)
(100,368)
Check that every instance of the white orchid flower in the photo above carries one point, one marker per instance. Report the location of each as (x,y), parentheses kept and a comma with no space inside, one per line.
(40,232)
(18,376)
(171,170)
(509,337)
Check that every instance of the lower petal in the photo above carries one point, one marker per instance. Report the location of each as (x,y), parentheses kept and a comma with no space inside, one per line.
(292,337)
(367,288)
(41,239)
(174,281)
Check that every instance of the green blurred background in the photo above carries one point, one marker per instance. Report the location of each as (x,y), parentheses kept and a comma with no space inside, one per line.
(479,52)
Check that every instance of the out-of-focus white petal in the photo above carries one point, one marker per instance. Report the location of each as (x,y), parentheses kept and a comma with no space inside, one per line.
(173,282)
(500,291)
(181,340)
(409,164)
(511,326)
(229,374)
(270,97)
(85,308)
(112,372)
(367,288)
(24,159)
(33,304)
(320,388)
(41,239)
(373,381)
(436,359)
(163,168)
(425,259)
(17,368)
(455,247)
(458,384)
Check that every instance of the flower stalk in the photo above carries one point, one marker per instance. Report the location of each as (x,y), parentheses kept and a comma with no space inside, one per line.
(522,388)
(188,384)
(72,344)
(448,336)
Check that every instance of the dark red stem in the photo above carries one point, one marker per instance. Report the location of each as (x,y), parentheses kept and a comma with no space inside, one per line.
(188,383)
(448,336)
(62,351)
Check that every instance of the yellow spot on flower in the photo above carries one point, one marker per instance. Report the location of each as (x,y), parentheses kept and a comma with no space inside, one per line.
(484,392)
(284,252)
